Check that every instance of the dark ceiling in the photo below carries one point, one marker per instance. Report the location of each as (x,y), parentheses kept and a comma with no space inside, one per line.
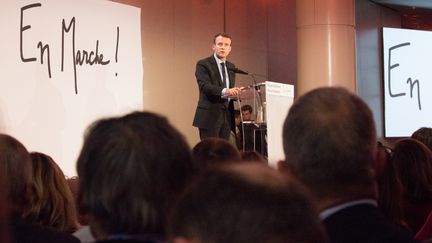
(416,14)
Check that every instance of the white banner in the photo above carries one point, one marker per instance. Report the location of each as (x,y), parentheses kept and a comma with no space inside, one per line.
(64,64)
(407,81)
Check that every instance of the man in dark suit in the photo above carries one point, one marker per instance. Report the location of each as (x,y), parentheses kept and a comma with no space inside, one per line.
(329,142)
(216,82)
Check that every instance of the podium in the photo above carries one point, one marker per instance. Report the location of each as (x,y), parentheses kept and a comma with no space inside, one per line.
(271,102)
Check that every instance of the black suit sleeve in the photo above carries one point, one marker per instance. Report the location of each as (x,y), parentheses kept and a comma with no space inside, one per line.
(208,79)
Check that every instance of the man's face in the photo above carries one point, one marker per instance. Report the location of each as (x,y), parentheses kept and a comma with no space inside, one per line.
(222,47)
(246,115)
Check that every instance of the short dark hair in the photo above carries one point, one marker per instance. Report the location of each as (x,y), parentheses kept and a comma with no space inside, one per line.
(215,151)
(247,108)
(223,34)
(131,169)
(424,135)
(246,203)
(329,138)
(16,165)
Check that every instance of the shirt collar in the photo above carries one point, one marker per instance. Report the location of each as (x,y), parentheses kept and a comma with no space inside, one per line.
(332,210)
(218,61)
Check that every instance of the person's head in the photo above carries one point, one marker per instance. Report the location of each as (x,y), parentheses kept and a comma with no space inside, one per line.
(413,164)
(237,117)
(424,135)
(382,160)
(244,203)
(246,111)
(52,203)
(329,140)
(73,183)
(16,165)
(215,151)
(389,185)
(131,169)
(222,45)
(253,156)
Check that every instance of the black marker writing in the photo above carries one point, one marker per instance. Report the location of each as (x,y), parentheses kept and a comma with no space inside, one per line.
(67,29)
(79,57)
(117,44)
(118,32)
(24,28)
(42,51)
(390,67)
(412,84)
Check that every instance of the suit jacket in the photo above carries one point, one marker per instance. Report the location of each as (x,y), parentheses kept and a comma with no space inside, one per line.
(210,104)
(364,223)
(22,232)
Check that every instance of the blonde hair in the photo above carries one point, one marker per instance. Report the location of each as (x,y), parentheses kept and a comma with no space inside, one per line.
(52,203)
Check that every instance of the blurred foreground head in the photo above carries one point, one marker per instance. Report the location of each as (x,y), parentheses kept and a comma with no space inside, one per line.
(131,169)
(329,140)
(243,203)
(16,168)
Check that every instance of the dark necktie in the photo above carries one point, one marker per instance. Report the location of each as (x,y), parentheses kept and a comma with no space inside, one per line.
(223,75)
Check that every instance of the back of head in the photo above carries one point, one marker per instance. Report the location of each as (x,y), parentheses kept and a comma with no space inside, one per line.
(413,164)
(16,165)
(245,203)
(131,168)
(214,152)
(424,135)
(329,139)
(52,203)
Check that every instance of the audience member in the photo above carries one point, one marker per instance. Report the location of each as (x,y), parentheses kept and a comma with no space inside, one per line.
(389,186)
(15,161)
(253,156)
(246,111)
(329,142)
(235,134)
(73,183)
(424,234)
(4,207)
(413,165)
(424,135)
(214,151)
(52,203)
(83,233)
(245,203)
(131,170)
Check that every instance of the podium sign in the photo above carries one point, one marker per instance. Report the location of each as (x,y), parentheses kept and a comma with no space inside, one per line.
(279,98)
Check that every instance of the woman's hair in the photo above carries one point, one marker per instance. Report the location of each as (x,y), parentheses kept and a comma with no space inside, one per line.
(389,185)
(52,203)
(413,164)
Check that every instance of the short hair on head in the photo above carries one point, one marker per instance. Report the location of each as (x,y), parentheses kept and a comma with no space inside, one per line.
(243,203)
(247,108)
(131,168)
(329,138)
(223,34)
(424,135)
(214,151)
(15,163)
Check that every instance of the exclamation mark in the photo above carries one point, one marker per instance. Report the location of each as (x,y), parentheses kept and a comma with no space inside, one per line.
(116,54)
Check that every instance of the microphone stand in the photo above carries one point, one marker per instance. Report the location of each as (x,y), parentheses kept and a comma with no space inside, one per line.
(259,113)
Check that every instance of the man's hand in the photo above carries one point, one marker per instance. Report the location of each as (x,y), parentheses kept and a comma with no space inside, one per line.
(234,91)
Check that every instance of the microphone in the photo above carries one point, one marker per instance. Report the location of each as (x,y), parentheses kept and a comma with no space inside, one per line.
(239,71)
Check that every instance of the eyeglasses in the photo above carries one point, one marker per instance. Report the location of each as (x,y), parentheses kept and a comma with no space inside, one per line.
(387,149)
